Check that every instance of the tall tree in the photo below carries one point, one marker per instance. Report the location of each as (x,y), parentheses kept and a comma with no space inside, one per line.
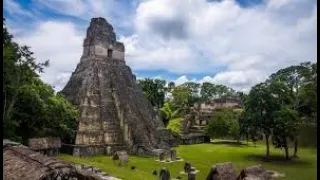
(194,89)
(154,90)
(300,83)
(171,86)
(30,107)
(182,97)
(207,91)
(224,124)
(261,104)
(286,126)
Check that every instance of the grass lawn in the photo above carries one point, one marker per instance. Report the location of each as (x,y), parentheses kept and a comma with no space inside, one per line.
(202,156)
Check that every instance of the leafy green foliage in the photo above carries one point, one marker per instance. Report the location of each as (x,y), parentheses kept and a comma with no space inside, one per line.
(174,126)
(166,112)
(224,124)
(208,91)
(234,129)
(277,106)
(181,97)
(154,90)
(286,126)
(30,107)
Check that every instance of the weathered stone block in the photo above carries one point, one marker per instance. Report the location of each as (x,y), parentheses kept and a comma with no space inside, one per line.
(162,156)
(109,150)
(173,154)
(254,172)
(222,172)
(192,176)
(187,167)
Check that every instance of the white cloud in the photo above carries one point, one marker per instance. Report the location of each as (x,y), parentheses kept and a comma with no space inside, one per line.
(251,42)
(183,79)
(238,80)
(185,37)
(61,43)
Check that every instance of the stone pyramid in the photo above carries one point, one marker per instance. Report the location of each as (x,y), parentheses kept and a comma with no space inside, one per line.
(115,115)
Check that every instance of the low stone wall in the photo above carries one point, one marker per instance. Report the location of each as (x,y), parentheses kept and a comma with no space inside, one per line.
(166,136)
(90,150)
(83,150)
(96,171)
(195,139)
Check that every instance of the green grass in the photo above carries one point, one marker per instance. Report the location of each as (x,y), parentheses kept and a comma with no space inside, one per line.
(202,156)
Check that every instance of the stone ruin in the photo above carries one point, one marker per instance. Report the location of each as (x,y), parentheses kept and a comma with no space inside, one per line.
(115,115)
(193,125)
(222,172)
(21,162)
(226,171)
(191,131)
(121,157)
(48,145)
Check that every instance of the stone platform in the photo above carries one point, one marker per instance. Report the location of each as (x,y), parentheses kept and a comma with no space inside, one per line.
(91,150)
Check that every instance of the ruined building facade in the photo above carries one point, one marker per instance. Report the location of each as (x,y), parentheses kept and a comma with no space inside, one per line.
(115,115)
(193,125)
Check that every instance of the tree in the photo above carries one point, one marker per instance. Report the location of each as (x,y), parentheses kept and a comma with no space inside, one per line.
(166,113)
(242,96)
(181,97)
(30,107)
(299,82)
(61,118)
(221,90)
(234,129)
(19,68)
(224,124)
(171,86)
(286,126)
(207,91)
(261,104)
(249,126)
(174,126)
(218,127)
(154,90)
(193,88)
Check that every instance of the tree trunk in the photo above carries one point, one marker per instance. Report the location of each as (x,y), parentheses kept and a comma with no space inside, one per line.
(4,105)
(267,145)
(286,148)
(247,137)
(295,147)
(7,111)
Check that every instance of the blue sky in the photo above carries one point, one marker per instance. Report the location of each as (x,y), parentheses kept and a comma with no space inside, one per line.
(235,43)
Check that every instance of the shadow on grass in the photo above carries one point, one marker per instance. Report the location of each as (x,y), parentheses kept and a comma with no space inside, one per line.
(277,159)
(230,143)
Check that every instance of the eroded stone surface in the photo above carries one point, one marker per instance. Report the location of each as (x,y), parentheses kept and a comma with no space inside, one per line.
(224,171)
(114,111)
(173,154)
(254,173)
